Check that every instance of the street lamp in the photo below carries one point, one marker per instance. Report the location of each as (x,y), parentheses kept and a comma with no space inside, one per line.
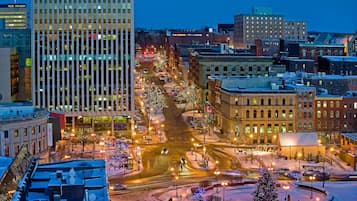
(217,162)
(311,178)
(286,188)
(216,173)
(224,184)
(299,158)
(176,178)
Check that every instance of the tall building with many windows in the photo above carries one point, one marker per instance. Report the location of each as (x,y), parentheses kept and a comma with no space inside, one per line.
(263,24)
(15,33)
(83,57)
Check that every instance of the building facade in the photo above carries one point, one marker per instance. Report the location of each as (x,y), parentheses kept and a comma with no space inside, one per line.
(9,74)
(313,51)
(248,27)
(263,24)
(305,115)
(252,110)
(83,57)
(349,112)
(295,30)
(328,116)
(22,125)
(15,33)
(338,65)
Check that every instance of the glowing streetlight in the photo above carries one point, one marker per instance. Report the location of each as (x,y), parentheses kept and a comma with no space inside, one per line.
(299,155)
(223,184)
(311,178)
(286,188)
(217,173)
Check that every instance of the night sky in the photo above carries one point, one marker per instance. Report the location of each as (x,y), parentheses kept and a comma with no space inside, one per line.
(320,15)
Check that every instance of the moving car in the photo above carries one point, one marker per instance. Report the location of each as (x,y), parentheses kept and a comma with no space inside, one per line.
(117,187)
(164,151)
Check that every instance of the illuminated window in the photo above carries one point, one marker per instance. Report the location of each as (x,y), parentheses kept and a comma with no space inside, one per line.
(318,104)
(261,128)
(291,115)
(318,114)
(269,129)
(331,104)
(255,128)
(324,104)
(16,133)
(247,128)
(255,102)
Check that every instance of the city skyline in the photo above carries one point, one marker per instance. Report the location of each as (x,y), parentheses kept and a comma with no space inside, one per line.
(198,14)
(148,14)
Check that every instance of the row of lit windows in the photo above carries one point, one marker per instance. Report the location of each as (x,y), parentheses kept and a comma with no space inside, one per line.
(269,128)
(283,113)
(263,101)
(325,105)
(263,18)
(241,68)
(16,132)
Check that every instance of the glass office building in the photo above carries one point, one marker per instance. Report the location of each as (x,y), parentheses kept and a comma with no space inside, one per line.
(83,57)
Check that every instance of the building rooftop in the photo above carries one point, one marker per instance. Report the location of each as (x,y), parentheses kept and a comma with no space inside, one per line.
(20,111)
(341,58)
(320,45)
(298,139)
(5,163)
(243,84)
(70,180)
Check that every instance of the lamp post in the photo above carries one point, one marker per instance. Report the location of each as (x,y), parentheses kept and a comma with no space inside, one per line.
(311,178)
(224,184)
(299,158)
(286,188)
(216,173)
(192,140)
(176,179)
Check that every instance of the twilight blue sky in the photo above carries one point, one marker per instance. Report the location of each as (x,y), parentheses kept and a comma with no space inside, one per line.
(320,15)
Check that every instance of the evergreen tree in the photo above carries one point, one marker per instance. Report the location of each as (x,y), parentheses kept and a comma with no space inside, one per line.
(265,190)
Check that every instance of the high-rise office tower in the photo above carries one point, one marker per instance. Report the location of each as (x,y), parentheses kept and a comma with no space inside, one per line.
(83,57)
(263,24)
(15,33)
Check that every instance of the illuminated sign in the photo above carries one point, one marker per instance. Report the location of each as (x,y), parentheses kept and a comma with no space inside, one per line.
(28,62)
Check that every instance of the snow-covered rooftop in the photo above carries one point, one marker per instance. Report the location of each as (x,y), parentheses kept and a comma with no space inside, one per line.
(341,58)
(5,162)
(74,178)
(298,139)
